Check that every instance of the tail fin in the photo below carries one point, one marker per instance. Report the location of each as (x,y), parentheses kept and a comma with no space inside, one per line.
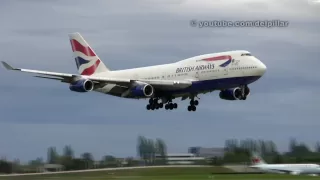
(88,62)
(256,159)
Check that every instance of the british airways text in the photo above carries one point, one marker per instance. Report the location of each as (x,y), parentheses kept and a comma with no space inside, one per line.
(194,68)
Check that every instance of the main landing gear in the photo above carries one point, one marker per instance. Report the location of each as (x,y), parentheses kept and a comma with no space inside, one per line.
(171,106)
(154,105)
(168,105)
(193,104)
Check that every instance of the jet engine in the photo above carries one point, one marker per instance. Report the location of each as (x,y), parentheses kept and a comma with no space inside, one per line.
(82,85)
(142,90)
(234,94)
(231,94)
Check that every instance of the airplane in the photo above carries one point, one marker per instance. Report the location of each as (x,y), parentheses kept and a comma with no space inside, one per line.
(229,72)
(294,169)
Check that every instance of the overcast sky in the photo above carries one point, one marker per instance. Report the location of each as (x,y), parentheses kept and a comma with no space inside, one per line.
(38,113)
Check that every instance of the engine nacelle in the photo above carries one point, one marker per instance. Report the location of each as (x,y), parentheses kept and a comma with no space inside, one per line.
(82,85)
(142,90)
(231,94)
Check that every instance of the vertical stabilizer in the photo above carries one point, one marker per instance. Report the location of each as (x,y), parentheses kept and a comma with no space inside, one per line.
(256,159)
(87,61)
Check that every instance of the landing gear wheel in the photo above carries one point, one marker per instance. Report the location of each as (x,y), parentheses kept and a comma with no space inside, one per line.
(161,105)
(192,102)
(171,106)
(175,105)
(153,104)
(166,106)
(196,102)
(192,108)
(155,101)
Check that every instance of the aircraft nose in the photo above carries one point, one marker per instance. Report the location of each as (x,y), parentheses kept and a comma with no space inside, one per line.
(262,68)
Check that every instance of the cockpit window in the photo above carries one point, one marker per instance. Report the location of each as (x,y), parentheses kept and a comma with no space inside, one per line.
(246,54)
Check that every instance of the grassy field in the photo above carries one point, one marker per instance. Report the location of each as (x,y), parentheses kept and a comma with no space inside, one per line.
(195,173)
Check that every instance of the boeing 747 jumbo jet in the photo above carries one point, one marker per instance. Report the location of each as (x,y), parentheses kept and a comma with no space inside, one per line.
(294,169)
(229,72)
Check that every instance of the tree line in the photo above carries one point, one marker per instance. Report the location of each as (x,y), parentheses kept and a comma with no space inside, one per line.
(148,149)
(154,152)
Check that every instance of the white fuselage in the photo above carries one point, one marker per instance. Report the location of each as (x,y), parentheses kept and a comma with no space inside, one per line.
(206,75)
(289,168)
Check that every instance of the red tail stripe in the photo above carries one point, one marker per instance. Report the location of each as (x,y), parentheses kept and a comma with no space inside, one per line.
(90,70)
(255,160)
(76,46)
(217,58)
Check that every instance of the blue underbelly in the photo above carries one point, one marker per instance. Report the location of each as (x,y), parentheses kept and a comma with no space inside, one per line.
(207,85)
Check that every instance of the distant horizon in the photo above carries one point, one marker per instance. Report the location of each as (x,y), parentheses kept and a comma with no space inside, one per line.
(78,155)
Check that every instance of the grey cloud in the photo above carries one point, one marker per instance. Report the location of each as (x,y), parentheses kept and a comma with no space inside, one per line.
(294,9)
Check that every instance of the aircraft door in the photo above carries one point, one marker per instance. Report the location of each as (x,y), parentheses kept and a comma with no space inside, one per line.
(197,75)
(226,71)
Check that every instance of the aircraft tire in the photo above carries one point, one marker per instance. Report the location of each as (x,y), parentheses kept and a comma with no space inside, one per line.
(161,105)
(175,105)
(171,106)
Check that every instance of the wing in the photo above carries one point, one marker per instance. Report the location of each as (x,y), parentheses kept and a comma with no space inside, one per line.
(68,78)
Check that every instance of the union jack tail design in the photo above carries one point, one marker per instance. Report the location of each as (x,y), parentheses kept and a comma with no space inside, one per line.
(256,159)
(87,61)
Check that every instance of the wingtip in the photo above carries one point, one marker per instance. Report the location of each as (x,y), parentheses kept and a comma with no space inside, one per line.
(7,66)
